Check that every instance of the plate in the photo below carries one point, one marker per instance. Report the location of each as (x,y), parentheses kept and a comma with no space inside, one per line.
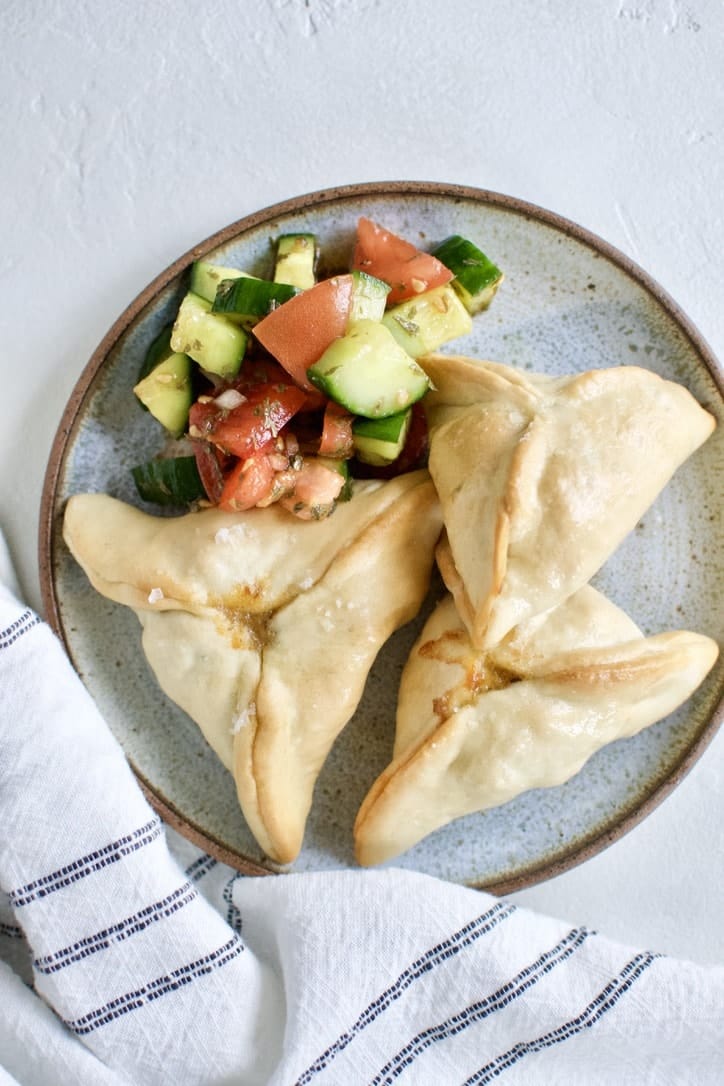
(569,302)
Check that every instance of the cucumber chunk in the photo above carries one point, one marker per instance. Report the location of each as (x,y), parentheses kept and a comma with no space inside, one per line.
(174,481)
(215,343)
(246,300)
(369,297)
(167,391)
(423,323)
(205,278)
(160,348)
(380,441)
(296,260)
(476,277)
(368,372)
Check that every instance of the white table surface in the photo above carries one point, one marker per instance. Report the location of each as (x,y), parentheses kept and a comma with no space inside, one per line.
(132,131)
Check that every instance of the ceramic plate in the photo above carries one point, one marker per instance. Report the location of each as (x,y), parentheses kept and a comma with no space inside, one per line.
(569,302)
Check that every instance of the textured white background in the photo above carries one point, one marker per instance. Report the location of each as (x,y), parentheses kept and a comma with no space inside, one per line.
(130,131)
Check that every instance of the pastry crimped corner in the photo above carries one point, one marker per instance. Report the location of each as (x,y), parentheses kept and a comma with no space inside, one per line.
(477,727)
(262,632)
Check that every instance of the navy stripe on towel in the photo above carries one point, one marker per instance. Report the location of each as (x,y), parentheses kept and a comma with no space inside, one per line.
(233,916)
(169,982)
(10,931)
(160,910)
(200,867)
(476,1012)
(423,965)
(27,620)
(604,1001)
(86,865)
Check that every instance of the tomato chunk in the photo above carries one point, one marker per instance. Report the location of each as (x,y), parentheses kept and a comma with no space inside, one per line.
(258,371)
(337,440)
(210,463)
(253,424)
(406,268)
(316,489)
(247,484)
(298,332)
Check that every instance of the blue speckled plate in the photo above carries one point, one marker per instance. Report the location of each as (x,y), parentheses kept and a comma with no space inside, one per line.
(569,302)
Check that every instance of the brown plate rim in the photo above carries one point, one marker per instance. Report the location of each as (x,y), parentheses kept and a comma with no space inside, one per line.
(578,852)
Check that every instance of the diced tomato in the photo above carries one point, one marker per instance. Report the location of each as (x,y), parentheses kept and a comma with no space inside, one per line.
(298,332)
(337,440)
(265,371)
(258,371)
(253,424)
(210,463)
(247,484)
(406,268)
(316,490)
(282,485)
(202,417)
(308,430)
(314,400)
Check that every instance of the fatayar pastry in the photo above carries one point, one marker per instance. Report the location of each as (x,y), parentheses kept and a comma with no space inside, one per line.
(540,478)
(264,629)
(475,728)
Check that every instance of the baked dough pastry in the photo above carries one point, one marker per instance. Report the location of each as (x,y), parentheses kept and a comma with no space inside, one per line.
(541,478)
(263,628)
(475,728)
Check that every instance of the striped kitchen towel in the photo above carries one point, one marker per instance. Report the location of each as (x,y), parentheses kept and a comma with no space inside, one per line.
(127,956)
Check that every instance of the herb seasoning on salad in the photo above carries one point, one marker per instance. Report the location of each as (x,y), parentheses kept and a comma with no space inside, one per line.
(284,390)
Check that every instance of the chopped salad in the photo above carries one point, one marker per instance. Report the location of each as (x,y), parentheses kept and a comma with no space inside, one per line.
(285,389)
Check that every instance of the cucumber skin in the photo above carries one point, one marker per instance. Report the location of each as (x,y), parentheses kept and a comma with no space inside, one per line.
(245,300)
(160,348)
(386,429)
(173,482)
(368,372)
(422,324)
(477,278)
(380,441)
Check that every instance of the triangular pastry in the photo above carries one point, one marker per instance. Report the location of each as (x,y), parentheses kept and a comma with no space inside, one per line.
(540,478)
(263,628)
(475,728)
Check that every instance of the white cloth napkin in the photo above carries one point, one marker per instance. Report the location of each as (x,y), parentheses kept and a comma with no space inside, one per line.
(128,956)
